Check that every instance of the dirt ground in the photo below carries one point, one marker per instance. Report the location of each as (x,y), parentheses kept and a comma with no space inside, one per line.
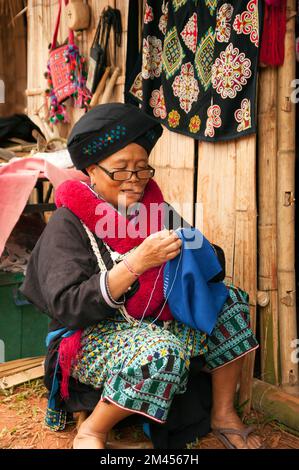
(22,412)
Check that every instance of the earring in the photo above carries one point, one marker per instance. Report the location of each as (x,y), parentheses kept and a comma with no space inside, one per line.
(93,186)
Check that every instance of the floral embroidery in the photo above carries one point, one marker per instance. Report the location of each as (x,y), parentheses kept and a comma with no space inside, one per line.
(212,5)
(185,87)
(248,22)
(194,124)
(104,140)
(189,33)
(173,53)
(208,61)
(214,120)
(163,352)
(173,118)
(178,4)
(230,72)
(151,59)
(164,18)
(243,116)
(148,14)
(204,58)
(157,102)
(136,88)
(223,22)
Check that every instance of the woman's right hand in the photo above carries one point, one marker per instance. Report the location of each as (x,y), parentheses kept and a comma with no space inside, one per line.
(155,250)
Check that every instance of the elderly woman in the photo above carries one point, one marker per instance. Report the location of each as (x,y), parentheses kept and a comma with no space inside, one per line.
(96,271)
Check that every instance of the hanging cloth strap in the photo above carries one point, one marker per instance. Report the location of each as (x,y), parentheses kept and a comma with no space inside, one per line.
(71,32)
(111,18)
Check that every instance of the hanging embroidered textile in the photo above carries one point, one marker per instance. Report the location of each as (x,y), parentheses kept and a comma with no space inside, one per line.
(198,69)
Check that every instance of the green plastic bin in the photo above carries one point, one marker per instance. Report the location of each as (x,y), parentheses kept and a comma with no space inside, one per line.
(23,328)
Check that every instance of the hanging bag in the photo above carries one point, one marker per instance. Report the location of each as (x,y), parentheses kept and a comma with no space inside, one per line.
(97,62)
(66,77)
(110,18)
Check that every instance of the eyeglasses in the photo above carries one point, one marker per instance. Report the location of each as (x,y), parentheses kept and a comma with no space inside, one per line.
(124,175)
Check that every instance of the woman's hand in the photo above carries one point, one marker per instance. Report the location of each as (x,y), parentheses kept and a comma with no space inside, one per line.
(155,250)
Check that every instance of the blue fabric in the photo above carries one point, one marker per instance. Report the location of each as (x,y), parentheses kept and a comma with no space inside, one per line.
(192,298)
(56,418)
(53,334)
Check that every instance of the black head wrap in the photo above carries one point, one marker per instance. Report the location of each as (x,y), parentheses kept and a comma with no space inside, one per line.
(108,128)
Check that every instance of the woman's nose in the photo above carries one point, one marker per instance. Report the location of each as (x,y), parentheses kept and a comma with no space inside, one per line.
(134,177)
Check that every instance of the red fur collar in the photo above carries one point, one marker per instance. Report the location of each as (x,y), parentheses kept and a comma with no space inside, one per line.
(77,197)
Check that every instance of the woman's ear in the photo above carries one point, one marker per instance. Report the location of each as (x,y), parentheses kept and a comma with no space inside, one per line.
(91,170)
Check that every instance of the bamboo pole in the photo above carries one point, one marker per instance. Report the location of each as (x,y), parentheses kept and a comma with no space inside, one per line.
(100,88)
(276,404)
(285,205)
(110,86)
(245,247)
(267,224)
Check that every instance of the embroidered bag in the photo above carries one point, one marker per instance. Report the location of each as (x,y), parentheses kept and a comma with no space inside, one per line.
(65,74)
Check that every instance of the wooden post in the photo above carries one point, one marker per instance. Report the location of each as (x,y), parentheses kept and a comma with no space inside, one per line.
(267,226)
(285,205)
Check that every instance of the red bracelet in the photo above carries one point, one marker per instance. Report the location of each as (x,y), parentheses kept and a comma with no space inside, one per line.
(129,267)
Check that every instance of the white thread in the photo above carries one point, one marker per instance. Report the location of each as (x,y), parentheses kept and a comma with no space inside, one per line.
(148,325)
(122,309)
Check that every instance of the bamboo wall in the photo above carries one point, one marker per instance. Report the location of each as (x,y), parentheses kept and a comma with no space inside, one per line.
(13,64)
(276,228)
(277,217)
(225,172)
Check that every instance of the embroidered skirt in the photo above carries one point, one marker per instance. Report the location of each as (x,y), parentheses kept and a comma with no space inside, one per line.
(141,367)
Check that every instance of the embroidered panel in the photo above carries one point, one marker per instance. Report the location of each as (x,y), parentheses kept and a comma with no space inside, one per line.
(199,66)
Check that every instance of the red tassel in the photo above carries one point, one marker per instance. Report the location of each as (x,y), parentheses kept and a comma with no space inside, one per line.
(272,44)
(69,350)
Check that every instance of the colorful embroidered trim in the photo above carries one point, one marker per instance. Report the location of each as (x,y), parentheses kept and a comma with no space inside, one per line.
(103,141)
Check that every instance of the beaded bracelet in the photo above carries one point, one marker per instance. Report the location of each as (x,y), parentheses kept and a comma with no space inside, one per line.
(129,267)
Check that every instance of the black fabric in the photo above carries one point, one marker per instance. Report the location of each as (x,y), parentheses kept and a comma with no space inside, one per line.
(109,19)
(190,413)
(62,277)
(17,126)
(132,48)
(197,70)
(108,128)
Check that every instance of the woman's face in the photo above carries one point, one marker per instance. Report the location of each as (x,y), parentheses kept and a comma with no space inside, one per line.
(120,193)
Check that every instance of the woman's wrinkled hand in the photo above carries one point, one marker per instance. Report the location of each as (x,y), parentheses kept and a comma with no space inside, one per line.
(155,250)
